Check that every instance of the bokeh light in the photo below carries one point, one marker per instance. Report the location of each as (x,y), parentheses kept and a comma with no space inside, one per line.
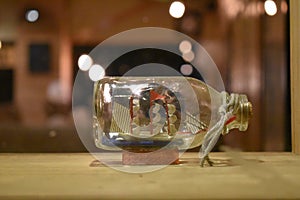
(177,9)
(85,62)
(185,46)
(186,69)
(32,15)
(96,72)
(270,7)
(189,56)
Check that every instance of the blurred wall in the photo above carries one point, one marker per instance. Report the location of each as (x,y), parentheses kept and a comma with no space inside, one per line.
(248,47)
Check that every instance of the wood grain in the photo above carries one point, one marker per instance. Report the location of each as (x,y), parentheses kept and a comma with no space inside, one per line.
(69,176)
(295,73)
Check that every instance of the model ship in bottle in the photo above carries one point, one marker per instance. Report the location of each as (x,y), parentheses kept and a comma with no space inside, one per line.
(164,112)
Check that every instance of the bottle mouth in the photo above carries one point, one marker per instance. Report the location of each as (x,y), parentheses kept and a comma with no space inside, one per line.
(246,112)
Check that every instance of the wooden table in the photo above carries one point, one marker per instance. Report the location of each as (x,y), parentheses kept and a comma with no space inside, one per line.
(70,176)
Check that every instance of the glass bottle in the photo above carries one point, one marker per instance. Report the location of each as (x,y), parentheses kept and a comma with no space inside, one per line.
(158,112)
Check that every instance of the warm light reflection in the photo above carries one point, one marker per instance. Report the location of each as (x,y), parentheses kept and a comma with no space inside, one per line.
(284,6)
(96,72)
(0,44)
(185,46)
(260,7)
(186,69)
(54,92)
(32,15)
(270,7)
(252,9)
(232,7)
(85,62)
(177,9)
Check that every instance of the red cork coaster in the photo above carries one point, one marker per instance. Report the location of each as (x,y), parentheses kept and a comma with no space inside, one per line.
(148,157)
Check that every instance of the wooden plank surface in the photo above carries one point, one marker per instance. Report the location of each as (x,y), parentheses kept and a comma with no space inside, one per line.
(70,176)
(295,73)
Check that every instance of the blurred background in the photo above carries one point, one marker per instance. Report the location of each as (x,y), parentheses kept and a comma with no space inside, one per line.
(41,41)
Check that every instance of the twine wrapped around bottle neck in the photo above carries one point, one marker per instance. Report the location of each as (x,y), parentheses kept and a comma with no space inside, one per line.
(230,106)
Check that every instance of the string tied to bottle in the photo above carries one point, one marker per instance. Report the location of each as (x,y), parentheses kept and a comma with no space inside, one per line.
(228,107)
